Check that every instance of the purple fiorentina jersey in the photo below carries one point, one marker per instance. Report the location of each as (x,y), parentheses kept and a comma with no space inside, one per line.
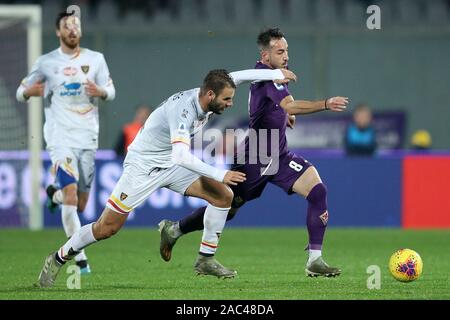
(265,111)
(283,171)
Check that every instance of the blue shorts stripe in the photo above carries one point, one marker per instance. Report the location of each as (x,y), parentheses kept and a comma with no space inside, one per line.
(63,178)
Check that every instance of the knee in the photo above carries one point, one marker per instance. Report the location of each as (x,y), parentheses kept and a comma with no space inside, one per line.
(225,199)
(70,196)
(318,194)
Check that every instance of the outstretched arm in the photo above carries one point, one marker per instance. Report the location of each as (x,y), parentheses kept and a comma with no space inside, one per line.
(293,107)
(182,156)
(256,75)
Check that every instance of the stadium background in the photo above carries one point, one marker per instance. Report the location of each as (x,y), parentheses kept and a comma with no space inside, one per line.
(402,69)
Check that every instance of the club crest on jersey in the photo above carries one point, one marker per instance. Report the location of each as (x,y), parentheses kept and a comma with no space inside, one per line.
(123,196)
(68,160)
(324,218)
(85,69)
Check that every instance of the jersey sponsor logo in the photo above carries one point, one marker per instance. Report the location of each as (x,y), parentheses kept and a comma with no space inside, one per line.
(72,89)
(279,87)
(324,218)
(123,196)
(85,69)
(70,71)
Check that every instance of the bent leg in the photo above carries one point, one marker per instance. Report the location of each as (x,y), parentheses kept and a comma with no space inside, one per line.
(106,226)
(311,187)
(219,197)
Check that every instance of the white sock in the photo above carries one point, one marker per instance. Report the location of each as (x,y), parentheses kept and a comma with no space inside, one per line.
(71,224)
(313,255)
(213,221)
(81,256)
(70,219)
(79,240)
(58,197)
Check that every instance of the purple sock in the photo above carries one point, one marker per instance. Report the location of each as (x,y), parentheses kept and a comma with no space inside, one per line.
(192,222)
(317,217)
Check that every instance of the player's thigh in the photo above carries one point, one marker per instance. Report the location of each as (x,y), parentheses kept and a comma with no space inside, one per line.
(135,185)
(86,169)
(307,181)
(65,165)
(291,169)
(209,188)
(179,179)
(216,193)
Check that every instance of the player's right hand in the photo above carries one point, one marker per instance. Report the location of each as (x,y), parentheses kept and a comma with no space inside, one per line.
(35,90)
(232,178)
(288,76)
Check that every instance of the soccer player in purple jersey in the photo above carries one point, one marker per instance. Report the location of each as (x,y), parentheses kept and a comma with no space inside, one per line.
(272,107)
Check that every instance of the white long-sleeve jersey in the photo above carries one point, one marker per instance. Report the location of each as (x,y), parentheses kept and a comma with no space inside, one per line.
(71,117)
(176,120)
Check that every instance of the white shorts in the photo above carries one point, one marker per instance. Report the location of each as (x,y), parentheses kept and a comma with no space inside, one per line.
(76,163)
(136,185)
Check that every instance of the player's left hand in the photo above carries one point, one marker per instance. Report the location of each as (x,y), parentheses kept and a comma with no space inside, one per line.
(291,121)
(92,90)
(337,104)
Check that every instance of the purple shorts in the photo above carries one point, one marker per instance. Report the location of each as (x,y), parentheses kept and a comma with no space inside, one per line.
(282,174)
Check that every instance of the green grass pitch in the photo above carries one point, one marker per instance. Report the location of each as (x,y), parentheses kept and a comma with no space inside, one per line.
(270,264)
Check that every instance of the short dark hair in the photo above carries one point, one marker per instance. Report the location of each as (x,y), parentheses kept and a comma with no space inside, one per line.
(216,80)
(265,36)
(61,16)
(362,106)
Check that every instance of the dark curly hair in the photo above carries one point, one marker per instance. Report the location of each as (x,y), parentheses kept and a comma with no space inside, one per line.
(216,80)
(265,36)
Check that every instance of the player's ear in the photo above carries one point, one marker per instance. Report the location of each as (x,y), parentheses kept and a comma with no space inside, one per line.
(264,55)
(211,95)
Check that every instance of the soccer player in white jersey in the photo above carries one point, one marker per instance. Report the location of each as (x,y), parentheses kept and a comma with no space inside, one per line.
(160,157)
(71,80)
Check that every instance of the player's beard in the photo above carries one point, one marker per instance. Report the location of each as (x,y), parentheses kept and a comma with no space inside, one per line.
(215,107)
(71,42)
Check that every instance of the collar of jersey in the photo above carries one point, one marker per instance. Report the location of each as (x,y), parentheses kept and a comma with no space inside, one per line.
(200,111)
(70,57)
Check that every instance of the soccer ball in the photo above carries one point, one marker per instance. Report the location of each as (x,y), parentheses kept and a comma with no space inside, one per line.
(405,265)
